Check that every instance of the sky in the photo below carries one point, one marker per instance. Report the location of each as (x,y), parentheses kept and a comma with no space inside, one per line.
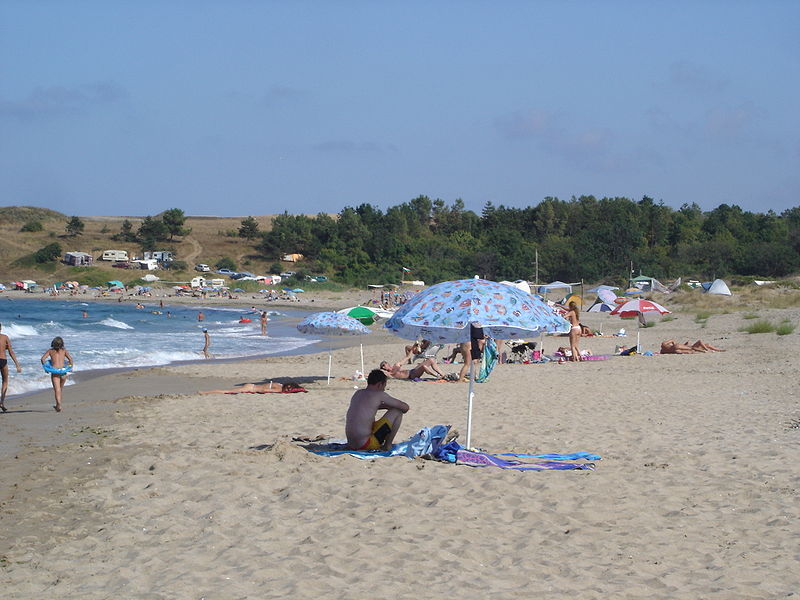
(245,107)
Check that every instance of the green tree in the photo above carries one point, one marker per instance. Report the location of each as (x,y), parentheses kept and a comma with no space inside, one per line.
(151,231)
(74,227)
(173,220)
(249,229)
(226,263)
(32,226)
(49,253)
(126,231)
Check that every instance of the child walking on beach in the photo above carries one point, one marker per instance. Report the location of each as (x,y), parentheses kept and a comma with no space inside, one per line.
(59,358)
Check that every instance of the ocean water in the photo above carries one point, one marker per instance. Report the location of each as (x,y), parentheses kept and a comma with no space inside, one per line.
(118,335)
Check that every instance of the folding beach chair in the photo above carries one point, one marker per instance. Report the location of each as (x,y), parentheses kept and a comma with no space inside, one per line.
(431,351)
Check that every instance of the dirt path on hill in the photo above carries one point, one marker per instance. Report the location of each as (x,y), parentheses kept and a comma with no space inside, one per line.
(191,257)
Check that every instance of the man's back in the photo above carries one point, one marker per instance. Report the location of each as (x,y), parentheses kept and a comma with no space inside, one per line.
(363,406)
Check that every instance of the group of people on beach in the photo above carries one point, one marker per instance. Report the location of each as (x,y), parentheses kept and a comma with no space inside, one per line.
(57,357)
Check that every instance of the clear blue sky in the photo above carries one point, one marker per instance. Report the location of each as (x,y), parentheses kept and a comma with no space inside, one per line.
(242,108)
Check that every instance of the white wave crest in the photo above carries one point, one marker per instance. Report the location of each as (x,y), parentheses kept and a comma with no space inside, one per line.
(109,322)
(17,331)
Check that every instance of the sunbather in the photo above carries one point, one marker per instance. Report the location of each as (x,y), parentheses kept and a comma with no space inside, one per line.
(416,349)
(261,388)
(426,366)
(672,347)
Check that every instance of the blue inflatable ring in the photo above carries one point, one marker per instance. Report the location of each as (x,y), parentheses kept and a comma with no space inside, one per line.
(49,368)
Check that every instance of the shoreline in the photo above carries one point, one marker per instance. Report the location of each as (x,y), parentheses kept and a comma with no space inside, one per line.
(322,345)
(311,301)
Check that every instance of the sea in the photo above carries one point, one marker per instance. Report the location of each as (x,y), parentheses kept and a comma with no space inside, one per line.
(105,335)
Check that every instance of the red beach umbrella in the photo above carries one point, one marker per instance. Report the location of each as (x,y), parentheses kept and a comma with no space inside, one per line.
(636,307)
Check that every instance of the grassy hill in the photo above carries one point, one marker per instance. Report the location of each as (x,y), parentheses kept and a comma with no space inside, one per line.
(211,239)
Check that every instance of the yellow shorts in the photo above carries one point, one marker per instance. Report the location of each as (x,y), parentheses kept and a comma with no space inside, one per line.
(380,431)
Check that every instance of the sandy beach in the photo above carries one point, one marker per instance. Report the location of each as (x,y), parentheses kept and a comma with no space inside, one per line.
(142,488)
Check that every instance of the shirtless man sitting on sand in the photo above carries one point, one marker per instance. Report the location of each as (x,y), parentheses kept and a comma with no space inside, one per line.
(672,347)
(426,366)
(363,431)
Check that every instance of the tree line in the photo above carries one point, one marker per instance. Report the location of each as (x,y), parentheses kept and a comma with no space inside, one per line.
(580,238)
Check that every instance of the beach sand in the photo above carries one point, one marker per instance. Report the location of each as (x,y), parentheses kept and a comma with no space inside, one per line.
(143,489)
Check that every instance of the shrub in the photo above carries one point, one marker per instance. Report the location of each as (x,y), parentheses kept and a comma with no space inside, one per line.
(32,226)
(749,316)
(226,263)
(785,328)
(762,326)
(49,253)
(176,265)
(702,316)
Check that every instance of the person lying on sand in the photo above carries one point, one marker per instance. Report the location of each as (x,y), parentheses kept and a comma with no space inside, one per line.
(426,366)
(363,431)
(672,347)
(261,388)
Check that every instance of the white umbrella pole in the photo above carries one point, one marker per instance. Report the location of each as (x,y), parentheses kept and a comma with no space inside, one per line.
(362,360)
(330,359)
(638,348)
(469,403)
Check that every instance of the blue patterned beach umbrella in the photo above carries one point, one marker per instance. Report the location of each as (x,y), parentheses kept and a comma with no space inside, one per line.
(330,324)
(444,312)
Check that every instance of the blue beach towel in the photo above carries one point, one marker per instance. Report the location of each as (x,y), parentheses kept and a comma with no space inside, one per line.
(489,360)
(426,441)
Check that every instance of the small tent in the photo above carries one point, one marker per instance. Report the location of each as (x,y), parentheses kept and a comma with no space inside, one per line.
(519,284)
(555,285)
(718,287)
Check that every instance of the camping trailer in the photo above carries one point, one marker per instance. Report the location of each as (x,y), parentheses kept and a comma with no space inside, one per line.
(78,259)
(162,256)
(115,255)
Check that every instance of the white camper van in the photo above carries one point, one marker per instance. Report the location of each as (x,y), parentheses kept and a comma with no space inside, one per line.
(117,255)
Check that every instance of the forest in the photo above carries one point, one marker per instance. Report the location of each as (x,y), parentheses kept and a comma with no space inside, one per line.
(582,238)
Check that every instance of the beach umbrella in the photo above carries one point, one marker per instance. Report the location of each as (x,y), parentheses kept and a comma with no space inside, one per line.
(638,308)
(632,291)
(601,307)
(607,296)
(597,289)
(445,312)
(364,314)
(115,283)
(330,324)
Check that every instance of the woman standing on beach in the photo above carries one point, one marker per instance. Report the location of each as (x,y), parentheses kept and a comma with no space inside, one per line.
(59,358)
(574,316)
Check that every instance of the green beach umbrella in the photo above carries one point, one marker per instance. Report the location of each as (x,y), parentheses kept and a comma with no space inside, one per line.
(367,316)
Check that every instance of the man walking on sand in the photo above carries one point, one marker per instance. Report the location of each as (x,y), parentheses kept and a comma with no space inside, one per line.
(5,345)
(363,431)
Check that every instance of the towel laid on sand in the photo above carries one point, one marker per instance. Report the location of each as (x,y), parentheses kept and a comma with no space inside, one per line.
(454,452)
(425,441)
